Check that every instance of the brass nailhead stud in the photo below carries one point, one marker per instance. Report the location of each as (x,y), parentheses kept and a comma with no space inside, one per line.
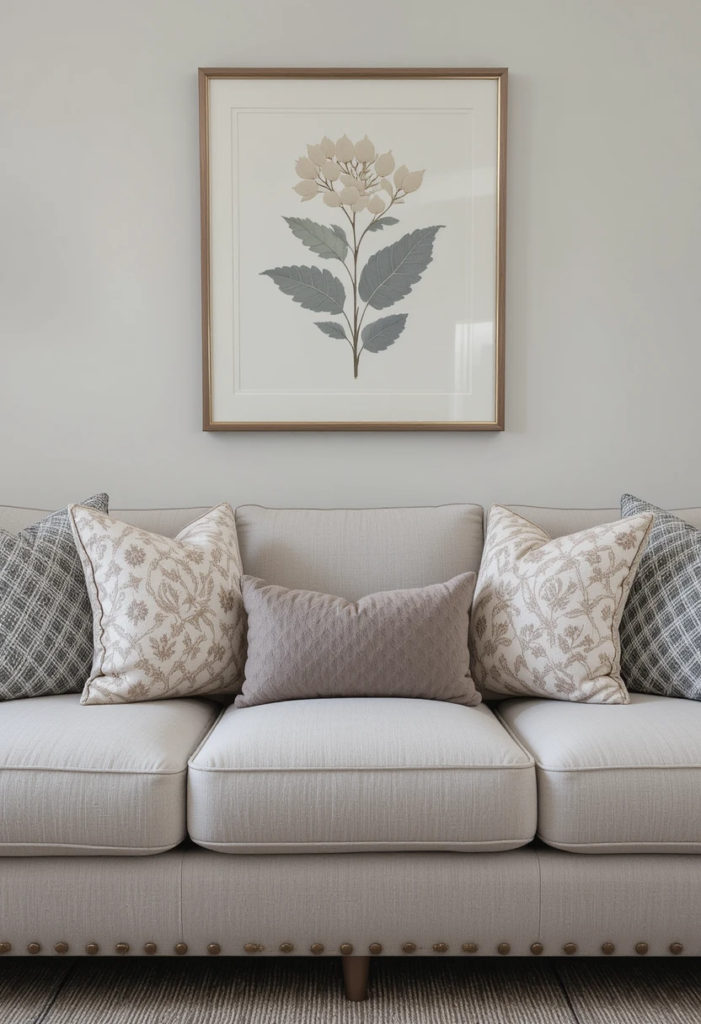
(440,947)
(5,947)
(122,948)
(150,948)
(570,948)
(408,947)
(346,948)
(286,947)
(608,948)
(469,947)
(214,949)
(92,948)
(504,948)
(537,948)
(34,948)
(676,948)
(641,948)
(317,948)
(375,948)
(61,947)
(181,948)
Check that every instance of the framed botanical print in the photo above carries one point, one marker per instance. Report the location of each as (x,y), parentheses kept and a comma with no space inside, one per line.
(353,237)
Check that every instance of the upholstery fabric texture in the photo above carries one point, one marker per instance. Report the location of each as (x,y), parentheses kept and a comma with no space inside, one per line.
(168,614)
(614,779)
(191,895)
(166,521)
(546,612)
(398,643)
(390,898)
(78,900)
(360,551)
(45,619)
(560,521)
(661,625)
(623,899)
(360,773)
(95,780)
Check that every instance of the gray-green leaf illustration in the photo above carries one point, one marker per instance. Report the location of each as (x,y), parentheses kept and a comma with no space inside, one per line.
(353,178)
(329,243)
(383,222)
(382,333)
(390,274)
(333,329)
(312,288)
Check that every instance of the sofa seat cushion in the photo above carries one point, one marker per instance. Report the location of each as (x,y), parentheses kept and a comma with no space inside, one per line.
(95,780)
(613,779)
(360,774)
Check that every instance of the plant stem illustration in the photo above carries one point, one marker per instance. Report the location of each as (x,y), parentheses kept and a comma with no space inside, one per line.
(355,180)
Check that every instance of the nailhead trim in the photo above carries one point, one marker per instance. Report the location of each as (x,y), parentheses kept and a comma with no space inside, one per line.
(346,948)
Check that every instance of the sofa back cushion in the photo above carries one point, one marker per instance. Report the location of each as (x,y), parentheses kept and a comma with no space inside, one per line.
(354,552)
(166,521)
(558,522)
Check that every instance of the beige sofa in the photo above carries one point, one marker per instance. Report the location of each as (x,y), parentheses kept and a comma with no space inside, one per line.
(351,827)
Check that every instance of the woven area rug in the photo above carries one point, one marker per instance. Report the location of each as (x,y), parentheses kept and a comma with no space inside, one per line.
(307,991)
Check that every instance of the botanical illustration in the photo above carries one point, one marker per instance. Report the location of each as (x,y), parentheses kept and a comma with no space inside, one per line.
(363,186)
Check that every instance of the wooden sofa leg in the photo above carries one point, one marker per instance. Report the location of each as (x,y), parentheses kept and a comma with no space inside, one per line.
(355,976)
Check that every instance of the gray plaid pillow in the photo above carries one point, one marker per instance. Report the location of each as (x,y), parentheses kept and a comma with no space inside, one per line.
(45,619)
(661,627)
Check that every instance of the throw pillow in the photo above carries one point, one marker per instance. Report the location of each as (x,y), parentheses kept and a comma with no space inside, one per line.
(45,619)
(168,616)
(661,626)
(397,643)
(546,612)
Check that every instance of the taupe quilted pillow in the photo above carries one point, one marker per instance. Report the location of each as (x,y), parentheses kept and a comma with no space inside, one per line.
(397,643)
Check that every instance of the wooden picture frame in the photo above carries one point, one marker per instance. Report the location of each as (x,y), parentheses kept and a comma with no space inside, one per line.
(244,115)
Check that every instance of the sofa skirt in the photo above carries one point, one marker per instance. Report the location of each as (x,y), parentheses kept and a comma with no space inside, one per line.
(193,902)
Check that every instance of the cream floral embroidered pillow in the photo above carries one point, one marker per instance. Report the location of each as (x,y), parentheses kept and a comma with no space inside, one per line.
(168,617)
(546,612)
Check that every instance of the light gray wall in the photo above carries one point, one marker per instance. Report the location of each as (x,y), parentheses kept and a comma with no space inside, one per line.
(99,242)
